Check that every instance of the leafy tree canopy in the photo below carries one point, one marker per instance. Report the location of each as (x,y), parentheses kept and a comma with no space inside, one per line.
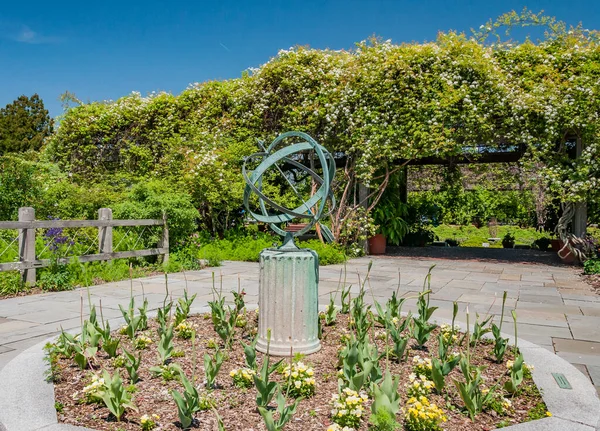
(24,124)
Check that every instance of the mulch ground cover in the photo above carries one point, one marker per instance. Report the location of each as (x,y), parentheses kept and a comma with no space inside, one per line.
(237,407)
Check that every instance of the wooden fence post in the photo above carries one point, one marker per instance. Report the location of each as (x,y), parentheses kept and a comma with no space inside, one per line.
(105,233)
(164,240)
(27,244)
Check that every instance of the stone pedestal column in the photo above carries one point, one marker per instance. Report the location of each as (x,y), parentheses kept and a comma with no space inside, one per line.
(288,301)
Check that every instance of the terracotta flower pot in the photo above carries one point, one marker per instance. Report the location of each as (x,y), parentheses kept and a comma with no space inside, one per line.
(556,244)
(377,244)
(565,253)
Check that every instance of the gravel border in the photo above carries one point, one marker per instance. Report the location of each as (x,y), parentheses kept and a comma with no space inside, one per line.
(27,400)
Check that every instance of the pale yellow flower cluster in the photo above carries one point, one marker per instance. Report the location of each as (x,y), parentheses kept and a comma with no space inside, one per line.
(141,342)
(422,366)
(509,365)
(300,380)
(94,390)
(419,385)
(242,377)
(448,333)
(149,422)
(348,407)
(185,330)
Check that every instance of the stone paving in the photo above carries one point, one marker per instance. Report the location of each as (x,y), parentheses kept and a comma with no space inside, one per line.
(555,308)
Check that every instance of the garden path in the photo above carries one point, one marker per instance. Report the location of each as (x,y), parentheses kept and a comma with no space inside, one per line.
(555,308)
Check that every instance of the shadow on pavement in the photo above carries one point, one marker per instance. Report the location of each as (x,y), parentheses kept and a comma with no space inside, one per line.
(479,253)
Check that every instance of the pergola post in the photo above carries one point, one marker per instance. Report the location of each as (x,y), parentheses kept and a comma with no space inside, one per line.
(363,198)
(403,192)
(580,217)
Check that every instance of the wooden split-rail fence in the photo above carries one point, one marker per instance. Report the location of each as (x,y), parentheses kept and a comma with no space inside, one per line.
(27,262)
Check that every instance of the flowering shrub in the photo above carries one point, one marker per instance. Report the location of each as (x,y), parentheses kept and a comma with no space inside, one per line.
(141,342)
(419,385)
(56,276)
(185,330)
(300,381)
(348,407)
(243,377)
(148,422)
(377,103)
(421,415)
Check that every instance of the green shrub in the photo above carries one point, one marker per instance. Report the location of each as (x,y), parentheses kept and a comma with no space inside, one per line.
(11,283)
(591,266)
(18,186)
(150,199)
(242,246)
(329,254)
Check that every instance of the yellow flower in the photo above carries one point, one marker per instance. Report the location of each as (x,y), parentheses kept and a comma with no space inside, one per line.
(548,414)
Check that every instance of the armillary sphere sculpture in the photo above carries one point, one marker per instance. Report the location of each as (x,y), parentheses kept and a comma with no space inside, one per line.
(289,276)
(314,207)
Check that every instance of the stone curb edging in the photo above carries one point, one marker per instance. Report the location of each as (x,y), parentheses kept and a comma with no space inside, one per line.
(27,400)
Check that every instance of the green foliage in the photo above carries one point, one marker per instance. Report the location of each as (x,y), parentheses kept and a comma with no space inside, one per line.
(11,283)
(24,125)
(539,411)
(131,319)
(132,364)
(149,199)
(115,397)
(471,390)
(479,329)
(359,365)
(421,328)
(386,403)
(330,313)
(463,207)
(19,185)
(212,365)
(329,254)
(182,308)
(165,345)
(390,214)
(110,344)
(591,266)
(266,388)
(168,372)
(500,343)
(471,236)
(188,403)
(250,354)
(508,240)
(516,375)
(285,413)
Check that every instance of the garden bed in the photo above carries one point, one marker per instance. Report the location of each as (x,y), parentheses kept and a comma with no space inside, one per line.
(152,395)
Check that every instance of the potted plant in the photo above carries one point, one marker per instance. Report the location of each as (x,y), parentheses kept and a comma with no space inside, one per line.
(508,241)
(391,226)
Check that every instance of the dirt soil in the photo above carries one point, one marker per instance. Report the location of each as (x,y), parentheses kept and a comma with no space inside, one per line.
(594,281)
(237,407)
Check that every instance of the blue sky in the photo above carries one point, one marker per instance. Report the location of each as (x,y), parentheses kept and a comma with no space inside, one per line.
(105,49)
